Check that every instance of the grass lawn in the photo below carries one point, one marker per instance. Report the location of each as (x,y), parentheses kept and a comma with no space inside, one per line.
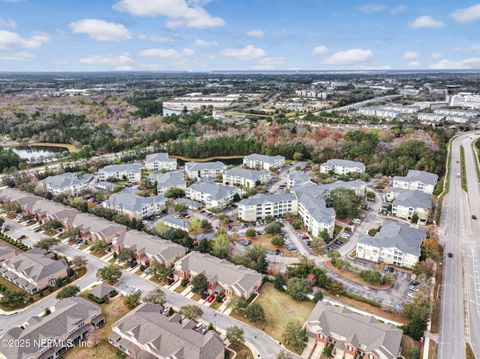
(197,297)
(180,289)
(242,349)
(158,281)
(113,311)
(99,254)
(279,309)
(337,230)
(215,305)
(355,278)
(408,344)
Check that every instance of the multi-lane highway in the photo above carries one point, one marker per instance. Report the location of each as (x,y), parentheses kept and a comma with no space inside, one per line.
(460,233)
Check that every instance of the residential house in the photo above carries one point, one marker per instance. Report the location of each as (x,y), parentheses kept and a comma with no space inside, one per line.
(245,178)
(175,222)
(352,335)
(103,291)
(194,205)
(148,249)
(145,333)
(51,336)
(165,181)
(342,167)
(198,170)
(417,180)
(95,228)
(211,194)
(127,171)
(6,253)
(135,206)
(160,161)
(68,182)
(33,270)
(263,162)
(396,243)
(223,276)
(262,205)
(105,186)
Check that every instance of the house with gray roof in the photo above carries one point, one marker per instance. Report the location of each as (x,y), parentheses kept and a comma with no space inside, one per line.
(263,162)
(146,333)
(148,249)
(160,161)
(296,178)
(68,182)
(191,204)
(198,170)
(342,167)
(416,180)
(6,252)
(317,190)
(165,181)
(95,228)
(223,276)
(352,335)
(396,243)
(135,206)
(244,177)
(175,222)
(211,194)
(33,270)
(105,186)
(262,205)
(103,291)
(408,203)
(315,215)
(50,336)
(130,171)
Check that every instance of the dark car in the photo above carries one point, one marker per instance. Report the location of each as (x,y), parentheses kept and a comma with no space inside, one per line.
(474,216)
(450,254)
(133,264)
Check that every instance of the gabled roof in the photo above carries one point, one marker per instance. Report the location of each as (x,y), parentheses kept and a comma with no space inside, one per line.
(201,166)
(128,167)
(170,220)
(253,175)
(168,179)
(261,198)
(317,208)
(159,157)
(420,176)
(299,177)
(131,202)
(394,234)
(67,179)
(102,290)
(215,190)
(344,163)
(35,264)
(413,199)
(263,158)
(359,330)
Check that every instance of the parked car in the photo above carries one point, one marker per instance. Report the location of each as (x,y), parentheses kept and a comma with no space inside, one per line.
(211,298)
(386,268)
(450,254)
(474,216)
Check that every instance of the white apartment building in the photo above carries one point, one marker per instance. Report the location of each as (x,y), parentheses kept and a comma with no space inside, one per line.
(197,170)
(315,215)
(396,243)
(67,182)
(465,99)
(296,178)
(212,194)
(342,167)
(245,177)
(416,180)
(160,161)
(130,171)
(262,205)
(406,203)
(135,206)
(264,162)
(430,117)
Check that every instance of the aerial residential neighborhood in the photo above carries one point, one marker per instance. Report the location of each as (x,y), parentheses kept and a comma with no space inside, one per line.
(196,179)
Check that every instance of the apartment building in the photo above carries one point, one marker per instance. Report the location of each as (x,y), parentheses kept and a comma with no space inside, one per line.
(262,205)
(135,206)
(396,243)
(130,171)
(175,222)
(455,112)
(68,183)
(430,117)
(166,181)
(295,178)
(342,167)
(33,270)
(51,336)
(416,180)
(160,161)
(148,249)
(465,99)
(263,162)
(198,170)
(352,335)
(211,194)
(146,333)
(245,177)
(223,276)
(407,203)
(315,215)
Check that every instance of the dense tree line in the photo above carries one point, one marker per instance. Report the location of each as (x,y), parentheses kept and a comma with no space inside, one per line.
(9,159)
(221,146)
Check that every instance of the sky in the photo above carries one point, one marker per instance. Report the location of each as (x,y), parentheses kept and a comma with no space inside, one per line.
(206,35)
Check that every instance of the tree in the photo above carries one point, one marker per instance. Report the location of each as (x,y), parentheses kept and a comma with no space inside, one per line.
(238,304)
(235,336)
(155,296)
(79,262)
(68,291)
(414,353)
(278,240)
(206,225)
(317,244)
(12,298)
(109,273)
(424,268)
(255,313)
(191,311)
(132,299)
(345,202)
(195,225)
(336,288)
(297,288)
(279,282)
(203,246)
(251,232)
(418,312)
(99,247)
(284,355)
(47,243)
(294,335)
(221,244)
(174,193)
(324,235)
(160,271)
(273,228)
(199,283)
(125,255)
(318,296)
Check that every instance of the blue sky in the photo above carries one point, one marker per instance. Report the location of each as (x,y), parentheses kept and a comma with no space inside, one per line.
(170,35)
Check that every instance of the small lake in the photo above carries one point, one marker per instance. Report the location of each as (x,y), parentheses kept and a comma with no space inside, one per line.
(40,154)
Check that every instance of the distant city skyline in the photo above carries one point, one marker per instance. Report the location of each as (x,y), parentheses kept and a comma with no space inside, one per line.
(246,35)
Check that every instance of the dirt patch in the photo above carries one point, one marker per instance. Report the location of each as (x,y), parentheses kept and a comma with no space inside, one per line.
(266,241)
(355,278)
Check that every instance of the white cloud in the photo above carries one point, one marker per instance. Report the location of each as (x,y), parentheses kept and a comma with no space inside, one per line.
(255,33)
(468,14)
(372,8)
(414,64)
(471,63)
(205,43)
(436,56)
(124,68)
(249,52)
(163,53)
(349,57)
(160,39)
(269,63)
(319,50)
(410,55)
(9,39)
(188,52)
(118,61)
(101,30)
(178,12)
(425,21)
(7,24)
(398,9)
(19,56)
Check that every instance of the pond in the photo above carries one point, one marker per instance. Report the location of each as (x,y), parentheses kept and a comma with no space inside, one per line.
(40,154)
